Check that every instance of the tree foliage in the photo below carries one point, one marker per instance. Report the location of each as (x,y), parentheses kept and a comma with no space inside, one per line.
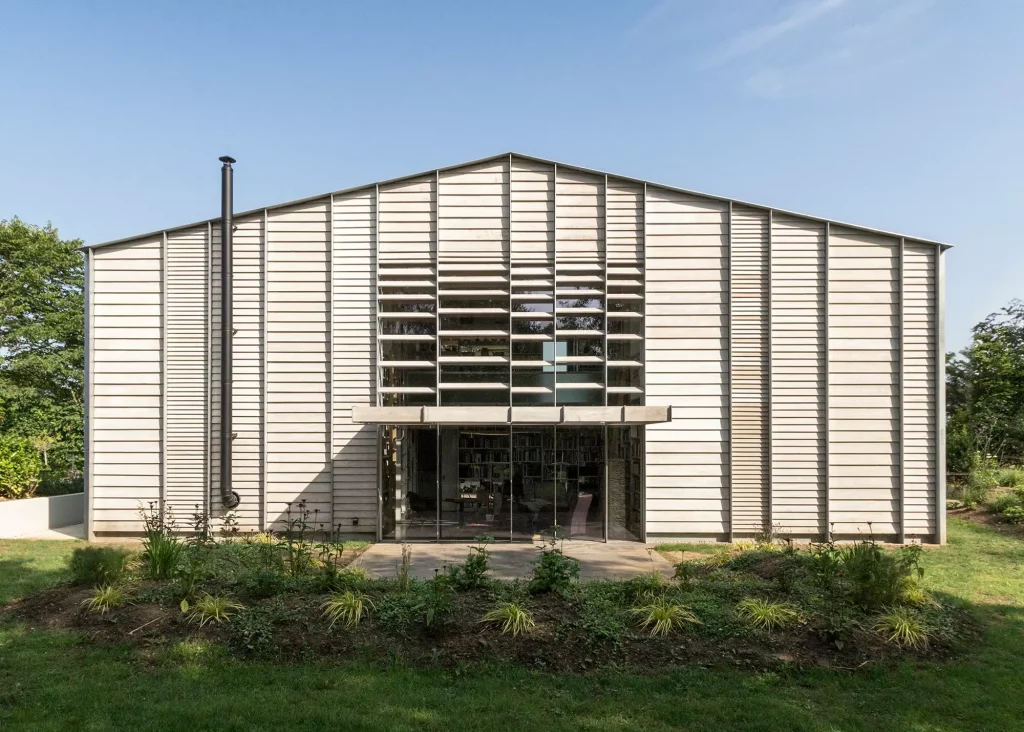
(42,335)
(985,391)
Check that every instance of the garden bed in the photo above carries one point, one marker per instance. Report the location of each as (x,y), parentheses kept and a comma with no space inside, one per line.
(268,597)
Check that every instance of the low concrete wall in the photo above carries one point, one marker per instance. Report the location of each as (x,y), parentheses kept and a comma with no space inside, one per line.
(33,515)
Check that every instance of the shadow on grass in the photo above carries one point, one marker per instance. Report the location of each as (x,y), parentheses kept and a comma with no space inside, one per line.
(22,576)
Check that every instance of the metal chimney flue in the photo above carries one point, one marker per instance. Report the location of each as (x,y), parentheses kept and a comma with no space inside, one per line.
(229,498)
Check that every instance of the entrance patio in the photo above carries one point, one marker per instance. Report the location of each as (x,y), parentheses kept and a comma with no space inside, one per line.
(598,560)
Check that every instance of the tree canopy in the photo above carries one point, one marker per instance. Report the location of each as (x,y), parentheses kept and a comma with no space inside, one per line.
(42,340)
(985,391)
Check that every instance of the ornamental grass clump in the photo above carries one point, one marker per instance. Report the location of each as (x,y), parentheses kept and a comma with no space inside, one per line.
(662,616)
(513,619)
(904,627)
(346,607)
(766,614)
(212,609)
(105,598)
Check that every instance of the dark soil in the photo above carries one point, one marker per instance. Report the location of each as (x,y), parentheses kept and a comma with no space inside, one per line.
(558,642)
(984,517)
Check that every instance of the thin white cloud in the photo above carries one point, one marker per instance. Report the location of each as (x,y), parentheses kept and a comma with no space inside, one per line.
(757,38)
(859,54)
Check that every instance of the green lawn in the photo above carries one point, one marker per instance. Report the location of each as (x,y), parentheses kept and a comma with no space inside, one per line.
(60,682)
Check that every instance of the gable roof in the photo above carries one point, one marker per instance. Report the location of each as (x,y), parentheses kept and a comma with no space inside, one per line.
(530,158)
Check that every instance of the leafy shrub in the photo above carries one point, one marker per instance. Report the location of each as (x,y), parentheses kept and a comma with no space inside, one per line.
(105,598)
(915,594)
(1013,514)
(554,572)
(353,578)
(646,584)
(662,616)
(1009,506)
(395,613)
(472,573)
(435,601)
(94,565)
(766,614)
(837,623)
(981,477)
(870,576)
(212,609)
(1010,477)
(348,607)
(902,626)
(512,618)
(252,630)
(20,467)
(262,584)
(599,610)
(163,550)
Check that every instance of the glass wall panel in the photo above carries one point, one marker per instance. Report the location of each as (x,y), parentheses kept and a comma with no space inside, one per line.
(476,483)
(409,483)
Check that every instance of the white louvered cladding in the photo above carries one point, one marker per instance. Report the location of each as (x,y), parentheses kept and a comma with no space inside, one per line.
(532,212)
(406,218)
(625,222)
(686,359)
(919,323)
(798,465)
(126,382)
(186,363)
(297,300)
(247,370)
(864,383)
(579,217)
(473,212)
(354,383)
(749,370)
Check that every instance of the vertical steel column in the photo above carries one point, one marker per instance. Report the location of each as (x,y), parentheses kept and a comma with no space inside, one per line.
(554,301)
(376,310)
(163,374)
(511,401)
(208,482)
(728,377)
(265,522)
(940,396)
(642,429)
(902,534)
(437,288)
(826,361)
(604,428)
(90,266)
(437,346)
(769,452)
(330,352)
(376,351)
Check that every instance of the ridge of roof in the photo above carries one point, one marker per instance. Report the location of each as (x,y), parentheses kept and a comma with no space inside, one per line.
(532,158)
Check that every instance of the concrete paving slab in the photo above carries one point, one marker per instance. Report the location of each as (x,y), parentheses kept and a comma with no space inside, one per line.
(598,560)
(64,533)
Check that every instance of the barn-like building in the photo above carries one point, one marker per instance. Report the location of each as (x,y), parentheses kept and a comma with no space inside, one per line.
(519,348)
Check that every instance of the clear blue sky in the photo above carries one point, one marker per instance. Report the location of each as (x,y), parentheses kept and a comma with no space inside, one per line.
(900,114)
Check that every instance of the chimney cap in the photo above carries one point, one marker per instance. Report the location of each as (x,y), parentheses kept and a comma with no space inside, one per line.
(227,159)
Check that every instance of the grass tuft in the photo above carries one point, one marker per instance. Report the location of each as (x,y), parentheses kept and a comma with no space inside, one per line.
(904,627)
(214,609)
(663,616)
(105,598)
(347,607)
(512,618)
(766,614)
